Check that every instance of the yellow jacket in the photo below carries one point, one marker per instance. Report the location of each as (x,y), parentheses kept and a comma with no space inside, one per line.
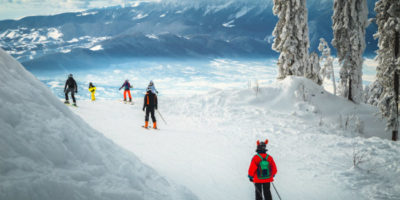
(92,89)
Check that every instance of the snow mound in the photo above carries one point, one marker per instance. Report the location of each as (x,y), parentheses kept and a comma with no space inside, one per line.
(315,138)
(304,99)
(47,152)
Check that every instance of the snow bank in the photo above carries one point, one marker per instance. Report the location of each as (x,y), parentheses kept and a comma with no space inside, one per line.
(47,152)
(306,100)
(315,138)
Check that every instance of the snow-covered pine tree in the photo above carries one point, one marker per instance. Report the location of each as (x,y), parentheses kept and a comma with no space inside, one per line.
(327,68)
(388,21)
(291,37)
(312,72)
(350,19)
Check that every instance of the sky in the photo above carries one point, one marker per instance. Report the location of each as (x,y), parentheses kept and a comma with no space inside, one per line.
(16,9)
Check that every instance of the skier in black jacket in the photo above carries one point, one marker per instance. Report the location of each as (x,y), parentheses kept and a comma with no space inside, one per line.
(150,103)
(70,86)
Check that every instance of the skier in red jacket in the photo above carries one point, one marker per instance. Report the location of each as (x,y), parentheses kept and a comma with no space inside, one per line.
(262,171)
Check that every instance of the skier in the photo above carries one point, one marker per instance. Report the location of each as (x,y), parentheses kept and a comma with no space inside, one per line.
(70,86)
(92,90)
(152,87)
(262,171)
(150,103)
(127,87)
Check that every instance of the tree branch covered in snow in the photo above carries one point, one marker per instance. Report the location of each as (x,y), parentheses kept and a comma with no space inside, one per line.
(349,24)
(388,21)
(291,37)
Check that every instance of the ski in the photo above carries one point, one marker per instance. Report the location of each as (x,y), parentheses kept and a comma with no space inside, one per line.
(127,102)
(146,128)
(150,128)
(72,105)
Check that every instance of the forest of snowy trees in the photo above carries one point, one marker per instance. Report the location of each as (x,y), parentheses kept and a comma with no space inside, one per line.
(349,22)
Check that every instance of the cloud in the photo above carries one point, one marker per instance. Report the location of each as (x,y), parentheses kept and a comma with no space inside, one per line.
(16,9)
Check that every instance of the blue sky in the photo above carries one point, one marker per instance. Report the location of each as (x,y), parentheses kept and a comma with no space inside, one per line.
(16,9)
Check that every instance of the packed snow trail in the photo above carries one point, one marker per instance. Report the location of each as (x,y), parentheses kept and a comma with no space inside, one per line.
(210,140)
(47,152)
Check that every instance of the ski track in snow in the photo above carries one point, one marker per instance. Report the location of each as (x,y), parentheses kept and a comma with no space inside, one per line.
(210,139)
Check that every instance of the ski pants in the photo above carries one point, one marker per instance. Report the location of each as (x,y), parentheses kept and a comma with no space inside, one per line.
(129,94)
(148,111)
(263,188)
(72,94)
(93,97)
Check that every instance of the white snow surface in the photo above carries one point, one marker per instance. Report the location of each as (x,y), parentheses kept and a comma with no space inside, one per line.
(210,139)
(47,152)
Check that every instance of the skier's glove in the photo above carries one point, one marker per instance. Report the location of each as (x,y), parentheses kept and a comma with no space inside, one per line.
(156,107)
(76,91)
(143,108)
(250,178)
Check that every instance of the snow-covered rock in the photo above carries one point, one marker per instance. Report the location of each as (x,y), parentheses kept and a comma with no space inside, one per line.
(47,152)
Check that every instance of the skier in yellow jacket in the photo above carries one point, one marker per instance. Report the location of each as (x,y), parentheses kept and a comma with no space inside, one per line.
(92,89)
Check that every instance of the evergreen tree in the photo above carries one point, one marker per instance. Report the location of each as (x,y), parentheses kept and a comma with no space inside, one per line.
(349,24)
(291,37)
(388,21)
(312,72)
(327,68)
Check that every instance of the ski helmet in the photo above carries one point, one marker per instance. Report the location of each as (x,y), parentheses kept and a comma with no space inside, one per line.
(151,83)
(262,146)
(70,76)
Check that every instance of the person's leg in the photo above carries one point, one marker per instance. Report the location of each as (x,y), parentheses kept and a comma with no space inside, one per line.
(153,118)
(146,118)
(258,191)
(125,95)
(130,97)
(73,95)
(267,191)
(66,95)
(93,97)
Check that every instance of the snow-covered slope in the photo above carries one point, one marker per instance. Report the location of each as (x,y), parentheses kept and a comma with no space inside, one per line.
(210,138)
(47,152)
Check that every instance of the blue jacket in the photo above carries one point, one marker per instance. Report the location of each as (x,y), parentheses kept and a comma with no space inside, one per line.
(127,85)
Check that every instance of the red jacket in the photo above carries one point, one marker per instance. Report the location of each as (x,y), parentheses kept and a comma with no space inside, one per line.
(254,165)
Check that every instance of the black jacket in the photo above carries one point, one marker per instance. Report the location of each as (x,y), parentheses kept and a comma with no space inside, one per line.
(150,100)
(71,84)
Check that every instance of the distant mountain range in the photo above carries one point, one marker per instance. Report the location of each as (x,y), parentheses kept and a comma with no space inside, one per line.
(100,37)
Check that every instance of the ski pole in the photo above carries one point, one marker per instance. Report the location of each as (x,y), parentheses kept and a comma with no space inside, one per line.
(276,191)
(161,116)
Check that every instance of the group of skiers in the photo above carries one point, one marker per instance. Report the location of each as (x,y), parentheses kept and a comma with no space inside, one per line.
(150,103)
(262,168)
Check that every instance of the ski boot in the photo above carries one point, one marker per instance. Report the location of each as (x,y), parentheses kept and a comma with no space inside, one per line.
(74,104)
(155,125)
(66,102)
(146,125)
